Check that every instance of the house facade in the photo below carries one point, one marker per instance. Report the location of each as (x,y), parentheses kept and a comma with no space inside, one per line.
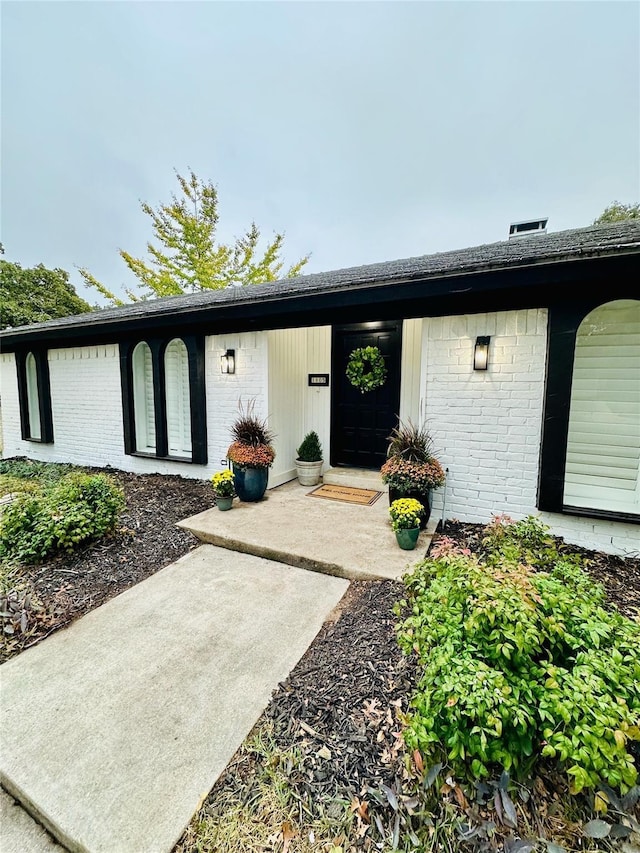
(551,426)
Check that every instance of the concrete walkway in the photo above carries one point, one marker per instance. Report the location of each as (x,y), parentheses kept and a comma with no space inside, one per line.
(115,729)
(336,538)
(19,833)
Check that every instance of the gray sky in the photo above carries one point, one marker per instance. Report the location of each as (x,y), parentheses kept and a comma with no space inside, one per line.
(366,131)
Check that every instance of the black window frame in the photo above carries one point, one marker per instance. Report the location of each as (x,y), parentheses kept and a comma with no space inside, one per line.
(564,322)
(195,346)
(44,395)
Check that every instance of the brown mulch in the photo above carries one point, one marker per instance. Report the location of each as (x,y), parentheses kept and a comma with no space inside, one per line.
(146,541)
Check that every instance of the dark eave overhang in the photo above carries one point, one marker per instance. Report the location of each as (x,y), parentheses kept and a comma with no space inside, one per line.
(539,284)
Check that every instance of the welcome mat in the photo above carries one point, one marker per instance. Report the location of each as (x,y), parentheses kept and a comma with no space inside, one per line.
(347,494)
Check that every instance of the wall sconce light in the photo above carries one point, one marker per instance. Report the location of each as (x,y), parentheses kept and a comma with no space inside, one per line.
(228,361)
(481,353)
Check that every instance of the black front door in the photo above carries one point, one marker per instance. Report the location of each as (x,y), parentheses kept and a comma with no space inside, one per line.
(361,423)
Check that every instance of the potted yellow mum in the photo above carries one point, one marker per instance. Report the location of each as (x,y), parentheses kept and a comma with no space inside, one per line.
(405,520)
(223,489)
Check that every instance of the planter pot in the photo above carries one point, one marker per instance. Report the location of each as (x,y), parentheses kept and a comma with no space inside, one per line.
(424,498)
(407,539)
(224,503)
(250,483)
(308,472)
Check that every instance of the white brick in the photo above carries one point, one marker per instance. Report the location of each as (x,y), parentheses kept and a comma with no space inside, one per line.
(488,426)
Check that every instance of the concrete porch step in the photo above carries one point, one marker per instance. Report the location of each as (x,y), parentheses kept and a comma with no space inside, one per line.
(289,526)
(359,478)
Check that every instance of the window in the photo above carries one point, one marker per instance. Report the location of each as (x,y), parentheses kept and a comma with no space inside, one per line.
(176,376)
(34,395)
(163,394)
(591,444)
(143,399)
(33,398)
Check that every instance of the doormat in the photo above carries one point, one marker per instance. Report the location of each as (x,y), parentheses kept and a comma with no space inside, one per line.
(346,494)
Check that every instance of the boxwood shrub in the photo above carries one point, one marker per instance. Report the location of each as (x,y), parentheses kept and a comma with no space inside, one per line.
(520,660)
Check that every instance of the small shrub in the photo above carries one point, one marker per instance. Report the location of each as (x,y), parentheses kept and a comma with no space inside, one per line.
(310,450)
(520,663)
(78,508)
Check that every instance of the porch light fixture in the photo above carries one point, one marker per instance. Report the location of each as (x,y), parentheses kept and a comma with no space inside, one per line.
(481,353)
(228,361)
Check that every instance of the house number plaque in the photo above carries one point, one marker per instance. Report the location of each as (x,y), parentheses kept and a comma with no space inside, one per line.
(319,380)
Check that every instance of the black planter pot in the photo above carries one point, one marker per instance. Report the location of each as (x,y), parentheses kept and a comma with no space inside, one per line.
(423,497)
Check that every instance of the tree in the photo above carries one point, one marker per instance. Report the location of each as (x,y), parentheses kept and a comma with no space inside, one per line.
(33,295)
(617,212)
(187,258)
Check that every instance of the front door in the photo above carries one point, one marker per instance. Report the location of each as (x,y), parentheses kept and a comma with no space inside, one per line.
(361,423)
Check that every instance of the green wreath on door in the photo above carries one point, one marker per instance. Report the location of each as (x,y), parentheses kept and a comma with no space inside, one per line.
(366,369)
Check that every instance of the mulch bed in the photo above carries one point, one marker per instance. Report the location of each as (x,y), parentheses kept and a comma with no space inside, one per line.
(146,541)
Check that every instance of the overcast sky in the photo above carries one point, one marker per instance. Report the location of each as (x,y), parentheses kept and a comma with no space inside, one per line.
(366,131)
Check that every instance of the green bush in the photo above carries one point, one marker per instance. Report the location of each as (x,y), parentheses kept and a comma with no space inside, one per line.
(77,508)
(310,450)
(520,663)
(43,474)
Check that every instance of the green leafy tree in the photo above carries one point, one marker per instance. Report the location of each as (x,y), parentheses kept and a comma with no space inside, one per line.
(33,295)
(187,258)
(617,212)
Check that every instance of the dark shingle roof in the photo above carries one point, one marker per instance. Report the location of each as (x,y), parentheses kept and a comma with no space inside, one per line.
(594,241)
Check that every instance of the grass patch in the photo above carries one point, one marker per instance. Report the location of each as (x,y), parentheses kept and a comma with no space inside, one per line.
(264,812)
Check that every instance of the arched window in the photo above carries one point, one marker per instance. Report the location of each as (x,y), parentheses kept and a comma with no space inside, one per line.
(602,470)
(176,371)
(143,399)
(33,397)
(163,398)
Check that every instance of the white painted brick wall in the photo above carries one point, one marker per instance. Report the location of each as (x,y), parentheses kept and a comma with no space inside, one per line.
(87,405)
(224,391)
(487,424)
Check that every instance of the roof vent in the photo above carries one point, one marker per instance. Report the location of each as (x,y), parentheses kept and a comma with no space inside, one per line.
(527,228)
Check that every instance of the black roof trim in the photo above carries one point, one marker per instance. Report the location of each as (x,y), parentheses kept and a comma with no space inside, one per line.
(441,273)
